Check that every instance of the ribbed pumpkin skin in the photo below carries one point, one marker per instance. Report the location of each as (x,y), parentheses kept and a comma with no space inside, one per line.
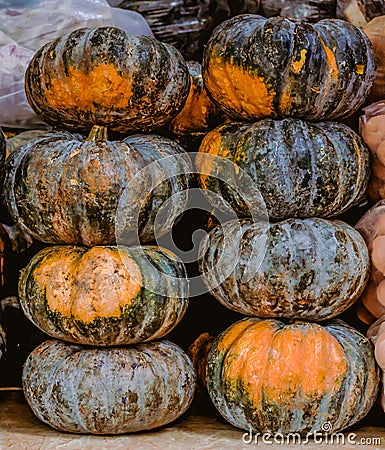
(74,198)
(255,67)
(301,169)
(108,391)
(102,76)
(104,295)
(199,113)
(273,377)
(313,269)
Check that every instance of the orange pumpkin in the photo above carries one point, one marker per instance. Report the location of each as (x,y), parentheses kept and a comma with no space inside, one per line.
(276,377)
(104,296)
(102,76)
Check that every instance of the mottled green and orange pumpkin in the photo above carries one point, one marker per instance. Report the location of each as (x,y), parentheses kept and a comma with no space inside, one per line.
(255,67)
(281,377)
(102,76)
(311,269)
(199,114)
(104,295)
(74,199)
(298,168)
(108,391)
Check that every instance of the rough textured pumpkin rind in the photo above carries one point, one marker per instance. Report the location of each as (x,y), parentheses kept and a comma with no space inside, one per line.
(301,169)
(103,296)
(102,76)
(199,113)
(74,199)
(108,391)
(310,269)
(268,376)
(255,67)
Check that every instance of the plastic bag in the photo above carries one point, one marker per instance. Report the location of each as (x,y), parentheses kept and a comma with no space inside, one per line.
(349,10)
(372,130)
(26,25)
(372,228)
(375,30)
(376,334)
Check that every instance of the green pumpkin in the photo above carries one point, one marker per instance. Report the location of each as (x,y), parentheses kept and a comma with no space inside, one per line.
(278,377)
(300,169)
(101,76)
(255,67)
(116,390)
(104,296)
(77,197)
(311,269)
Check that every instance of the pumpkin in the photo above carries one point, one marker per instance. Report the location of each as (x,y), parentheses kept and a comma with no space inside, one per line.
(108,391)
(299,9)
(300,169)
(75,198)
(13,142)
(311,269)
(104,295)
(255,67)
(102,76)
(199,113)
(281,377)
(198,352)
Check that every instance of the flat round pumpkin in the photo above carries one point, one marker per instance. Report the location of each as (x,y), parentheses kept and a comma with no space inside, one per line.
(301,169)
(75,198)
(275,377)
(311,269)
(101,76)
(104,295)
(255,67)
(108,391)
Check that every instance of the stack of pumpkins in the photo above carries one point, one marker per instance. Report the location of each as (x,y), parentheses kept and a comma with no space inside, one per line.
(292,366)
(104,300)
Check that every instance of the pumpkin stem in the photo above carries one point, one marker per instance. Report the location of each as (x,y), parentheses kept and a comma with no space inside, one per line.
(98,133)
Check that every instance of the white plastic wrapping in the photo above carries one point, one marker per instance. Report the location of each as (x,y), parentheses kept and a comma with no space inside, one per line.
(26,25)
(376,333)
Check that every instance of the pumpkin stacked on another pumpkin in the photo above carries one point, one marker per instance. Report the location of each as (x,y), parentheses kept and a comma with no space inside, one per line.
(105,300)
(268,374)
